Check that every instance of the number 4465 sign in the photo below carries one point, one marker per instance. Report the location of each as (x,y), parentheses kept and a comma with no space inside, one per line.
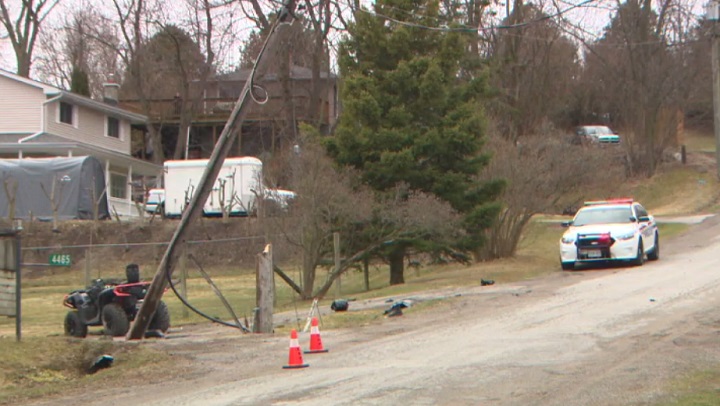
(59,260)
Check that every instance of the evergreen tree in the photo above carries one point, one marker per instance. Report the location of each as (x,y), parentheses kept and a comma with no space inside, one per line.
(79,82)
(412,115)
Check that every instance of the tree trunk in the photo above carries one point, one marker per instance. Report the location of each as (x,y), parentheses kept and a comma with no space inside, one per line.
(315,107)
(308,276)
(155,136)
(182,138)
(504,236)
(284,73)
(24,61)
(397,265)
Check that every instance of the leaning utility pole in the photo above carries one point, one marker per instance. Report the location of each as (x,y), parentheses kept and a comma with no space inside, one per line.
(713,14)
(194,210)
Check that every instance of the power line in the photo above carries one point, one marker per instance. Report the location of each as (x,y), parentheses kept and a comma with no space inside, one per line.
(518,25)
(475,29)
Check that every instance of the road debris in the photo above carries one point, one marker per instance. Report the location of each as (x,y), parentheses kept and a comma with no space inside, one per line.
(102,362)
(396,308)
(339,305)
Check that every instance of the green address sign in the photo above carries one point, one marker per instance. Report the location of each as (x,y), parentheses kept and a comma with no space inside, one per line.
(59,260)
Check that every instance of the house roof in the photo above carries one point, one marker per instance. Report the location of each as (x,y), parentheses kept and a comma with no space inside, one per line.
(12,137)
(103,107)
(50,91)
(60,146)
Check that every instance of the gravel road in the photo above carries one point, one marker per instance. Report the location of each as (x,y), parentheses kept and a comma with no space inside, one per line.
(612,336)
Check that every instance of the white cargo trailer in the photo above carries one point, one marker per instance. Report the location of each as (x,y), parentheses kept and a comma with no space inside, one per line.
(233,190)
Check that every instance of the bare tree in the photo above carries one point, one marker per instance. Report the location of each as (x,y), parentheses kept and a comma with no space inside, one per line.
(306,45)
(639,76)
(330,200)
(319,18)
(325,201)
(10,186)
(23,28)
(227,195)
(71,44)
(545,174)
(531,61)
(97,200)
(55,197)
(212,35)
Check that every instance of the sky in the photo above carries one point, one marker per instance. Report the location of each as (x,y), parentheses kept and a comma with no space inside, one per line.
(7,57)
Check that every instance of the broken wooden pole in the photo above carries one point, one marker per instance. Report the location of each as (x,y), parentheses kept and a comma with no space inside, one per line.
(194,209)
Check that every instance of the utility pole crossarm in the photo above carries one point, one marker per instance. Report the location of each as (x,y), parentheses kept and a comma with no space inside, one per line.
(194,210)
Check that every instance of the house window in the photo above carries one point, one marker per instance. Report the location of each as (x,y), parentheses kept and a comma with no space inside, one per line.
(66,113)
(113,127)
(118,186)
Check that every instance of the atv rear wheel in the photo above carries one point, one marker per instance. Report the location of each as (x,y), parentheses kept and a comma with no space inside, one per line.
(161,318)
(74,327)
(115,320)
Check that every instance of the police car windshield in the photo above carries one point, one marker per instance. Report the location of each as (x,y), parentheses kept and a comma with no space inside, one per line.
(603,215)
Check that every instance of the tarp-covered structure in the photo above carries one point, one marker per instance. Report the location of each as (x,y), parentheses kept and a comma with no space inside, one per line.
(74,184)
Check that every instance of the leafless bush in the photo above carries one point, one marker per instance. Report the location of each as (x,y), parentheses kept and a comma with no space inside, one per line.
(545,173)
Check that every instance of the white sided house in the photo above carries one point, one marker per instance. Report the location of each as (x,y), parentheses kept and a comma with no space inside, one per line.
(38,120)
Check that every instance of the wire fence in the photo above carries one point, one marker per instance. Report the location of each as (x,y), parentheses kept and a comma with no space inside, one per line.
(86,262)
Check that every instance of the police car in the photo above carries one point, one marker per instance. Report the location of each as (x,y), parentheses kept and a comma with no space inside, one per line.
(610,230)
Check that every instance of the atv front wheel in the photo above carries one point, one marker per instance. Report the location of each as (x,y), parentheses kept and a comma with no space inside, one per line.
(115,320)
(74,327)
(161,319)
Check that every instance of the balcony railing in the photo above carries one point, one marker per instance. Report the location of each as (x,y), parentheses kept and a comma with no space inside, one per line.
(218,109)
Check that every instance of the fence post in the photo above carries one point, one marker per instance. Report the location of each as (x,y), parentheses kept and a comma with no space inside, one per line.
(87,267)
(683,154)
(336,252)
(183,279)
(366,273)
(265,294)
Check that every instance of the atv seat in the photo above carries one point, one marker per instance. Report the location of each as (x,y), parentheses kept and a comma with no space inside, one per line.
(132,273)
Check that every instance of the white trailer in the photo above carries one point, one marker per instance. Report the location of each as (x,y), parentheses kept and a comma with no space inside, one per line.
(233,190)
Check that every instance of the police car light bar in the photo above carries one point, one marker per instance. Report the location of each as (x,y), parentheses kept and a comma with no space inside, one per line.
(611,201)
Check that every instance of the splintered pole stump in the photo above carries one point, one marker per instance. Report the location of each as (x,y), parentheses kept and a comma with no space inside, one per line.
(194,210)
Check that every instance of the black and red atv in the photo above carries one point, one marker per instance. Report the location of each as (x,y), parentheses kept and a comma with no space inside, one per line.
(113,305)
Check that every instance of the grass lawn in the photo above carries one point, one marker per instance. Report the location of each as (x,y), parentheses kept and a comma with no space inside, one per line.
(699,141)
(46,361)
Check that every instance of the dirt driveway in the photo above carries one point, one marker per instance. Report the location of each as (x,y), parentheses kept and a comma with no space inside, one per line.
(596,337)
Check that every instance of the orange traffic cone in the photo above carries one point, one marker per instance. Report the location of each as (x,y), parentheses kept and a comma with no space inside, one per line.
(315,341)
(295,359)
